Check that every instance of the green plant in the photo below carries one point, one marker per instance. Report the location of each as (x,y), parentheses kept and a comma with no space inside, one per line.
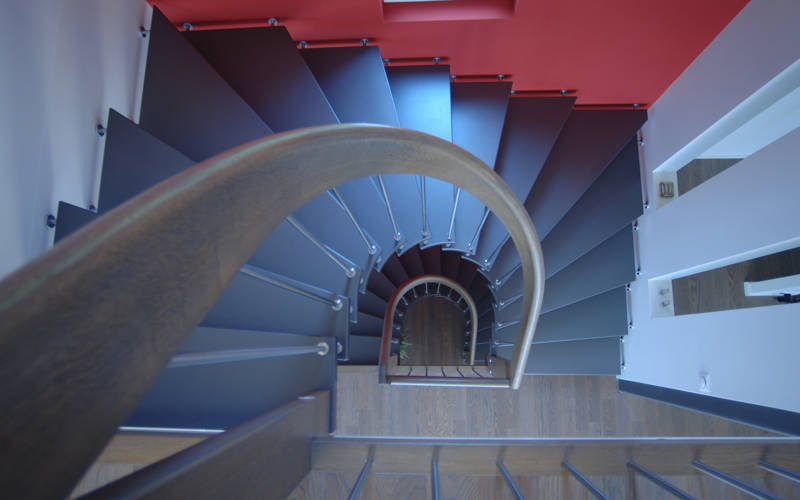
(404,345)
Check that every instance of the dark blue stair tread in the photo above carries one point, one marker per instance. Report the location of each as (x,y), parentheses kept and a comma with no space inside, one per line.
(264,66)
(466,272)
(355,83)
(608,265)
(432,259)
(394,270)
(251,304)
(329,223)
(70,218)
(439,200)
(371,304)
(532,127)
(184,101)
(223,395)
(450,263)
(604,315)
(479,111)
(510,312)
(289,253)
(492,236)
(367,205)
(412,262)
(580,357)
(507,259)
(613,201)
(380,285)
(478,115)
(422,97)
(404,192)
(591,139)
(364,350)
(511,287)
(367,325)
(133,161)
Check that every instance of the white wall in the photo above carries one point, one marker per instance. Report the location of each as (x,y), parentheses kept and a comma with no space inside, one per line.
(750,354)
(64,63)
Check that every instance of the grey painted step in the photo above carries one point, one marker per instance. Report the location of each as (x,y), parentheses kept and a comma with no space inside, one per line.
(355,83)
(479,110)
(510,286)
(248,303)
(532,127)
(580,357)
(328,221)
(404,193)
(380,285)
(466,272)
(604,315)
(219,396)
(367,205)
(613,201)
(264,66)
(591,139)
(439,201)
(185,101)
(133,161)
(370,303)
(288,252)
(367,325)
(70,218)
(608,265)
(510,311)
(422,98)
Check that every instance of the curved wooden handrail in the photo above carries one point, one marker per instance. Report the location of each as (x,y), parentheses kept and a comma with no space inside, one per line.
(391,309)
(87,327)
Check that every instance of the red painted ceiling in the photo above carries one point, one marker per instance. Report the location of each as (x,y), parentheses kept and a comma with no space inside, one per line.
(610,51)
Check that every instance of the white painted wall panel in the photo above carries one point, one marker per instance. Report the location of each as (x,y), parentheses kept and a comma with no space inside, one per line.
(63,65)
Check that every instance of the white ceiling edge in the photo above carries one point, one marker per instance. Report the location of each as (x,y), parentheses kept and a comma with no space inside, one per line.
(785,83)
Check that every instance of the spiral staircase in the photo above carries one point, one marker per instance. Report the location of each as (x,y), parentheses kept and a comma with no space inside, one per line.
(329,269)
(326,273)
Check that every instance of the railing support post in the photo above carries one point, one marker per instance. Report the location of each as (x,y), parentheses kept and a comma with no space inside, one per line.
(659,481)
(510,481)
(732,481)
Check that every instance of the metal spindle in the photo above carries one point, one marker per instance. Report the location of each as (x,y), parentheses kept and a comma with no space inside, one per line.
(426,230)
(472,244)
(233,355)
(362,476)
(509,480)
(348,267)
(451,232)
(267,277)
(585,482)
(397,235)
(732,481)
(659,481)
(778,470)
(371,248)
(435,479)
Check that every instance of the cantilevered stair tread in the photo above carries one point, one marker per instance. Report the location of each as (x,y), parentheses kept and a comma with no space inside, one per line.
(355,83)
(70,218)
(219,396)
(187,104)
(367,326)
(133,161)
(591,139)
(580,357)
(609,265)
(265,68)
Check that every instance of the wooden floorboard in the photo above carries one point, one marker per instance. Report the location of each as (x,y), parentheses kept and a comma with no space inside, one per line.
(435,328)
(544,406)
